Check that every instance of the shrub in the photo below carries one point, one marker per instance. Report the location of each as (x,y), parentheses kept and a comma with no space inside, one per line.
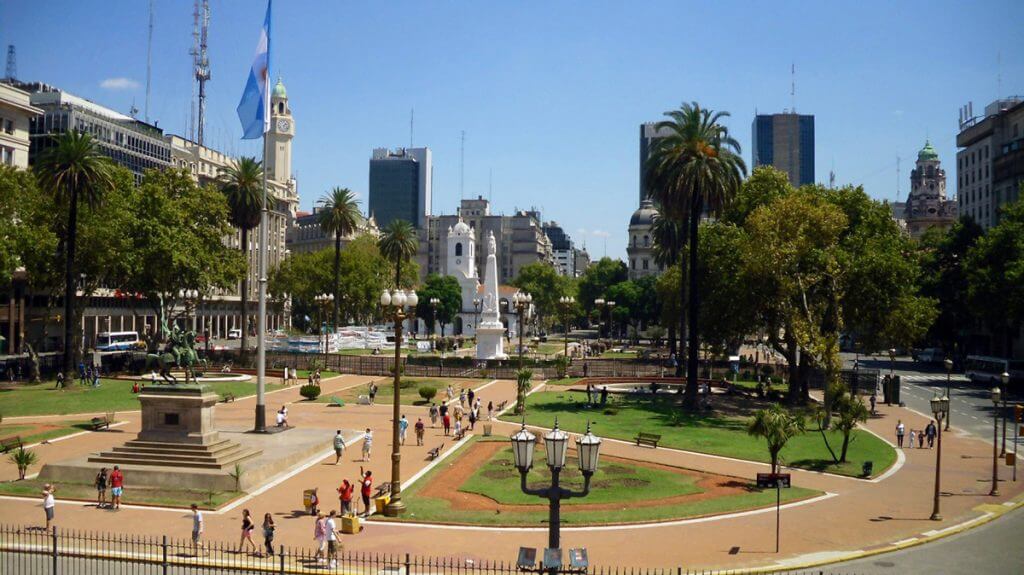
(561,365)
(310,392)
(610,411)
(427,392)
(23,460)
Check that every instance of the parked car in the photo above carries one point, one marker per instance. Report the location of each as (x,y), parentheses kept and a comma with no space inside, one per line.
(235,333)
(930,355)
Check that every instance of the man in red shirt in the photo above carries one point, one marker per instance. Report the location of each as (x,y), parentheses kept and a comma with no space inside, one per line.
(116,487)
(345,493)
(366,489)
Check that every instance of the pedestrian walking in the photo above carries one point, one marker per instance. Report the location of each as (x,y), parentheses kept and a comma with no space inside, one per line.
(331,531)
(268,533)
(197,529)
(931,431)
(116,487)
(472,419)
(446,422)
(900,428)
(247,528)
(365,489)
(490,410)
(49,503)
(101,488)
(462,397)
(345,493)
(874,399)
(320,537)
(433,414)
(590,394)
(920,439)
(913,435)
(451,393)
(367,444)
(604,395)
(339,446)
(373,392)
(403,427)
(458,429)
(443,410)
(420,428)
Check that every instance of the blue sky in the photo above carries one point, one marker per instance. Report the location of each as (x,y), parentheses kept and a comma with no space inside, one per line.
(550,94)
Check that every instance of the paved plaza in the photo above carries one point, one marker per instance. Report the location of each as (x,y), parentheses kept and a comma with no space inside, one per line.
(852,518)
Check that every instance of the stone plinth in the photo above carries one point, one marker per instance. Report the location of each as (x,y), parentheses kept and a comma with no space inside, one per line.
(490,341)
(178,414)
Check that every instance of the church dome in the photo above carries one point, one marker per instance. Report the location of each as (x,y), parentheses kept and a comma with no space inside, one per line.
(461,228)
(927,153)
(645,215)
(279,91)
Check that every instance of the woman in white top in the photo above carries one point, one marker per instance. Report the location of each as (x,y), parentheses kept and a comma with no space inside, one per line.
(48,503)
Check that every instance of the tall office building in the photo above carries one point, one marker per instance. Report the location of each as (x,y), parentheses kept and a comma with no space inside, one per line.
(648,134)
(400,184)
(785,141)
(990,162)
(563,250)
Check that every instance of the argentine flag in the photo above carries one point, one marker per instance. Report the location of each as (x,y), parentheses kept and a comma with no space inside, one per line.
(253,109)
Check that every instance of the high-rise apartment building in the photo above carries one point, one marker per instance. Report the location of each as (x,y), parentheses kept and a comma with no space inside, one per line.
(400,183)
(785,141)
(990,162)
(563,250)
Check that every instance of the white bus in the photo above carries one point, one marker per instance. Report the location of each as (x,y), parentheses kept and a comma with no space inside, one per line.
(117,340)
(989,370)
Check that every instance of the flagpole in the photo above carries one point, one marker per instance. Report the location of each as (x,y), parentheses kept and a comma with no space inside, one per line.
(261,342)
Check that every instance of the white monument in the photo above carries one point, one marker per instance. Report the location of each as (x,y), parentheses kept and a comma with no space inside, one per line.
(490,342)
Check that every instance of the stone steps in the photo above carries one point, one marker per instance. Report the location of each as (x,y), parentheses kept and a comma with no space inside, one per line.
(219,455)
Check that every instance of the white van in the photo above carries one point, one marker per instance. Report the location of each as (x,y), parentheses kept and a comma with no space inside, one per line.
(235,333)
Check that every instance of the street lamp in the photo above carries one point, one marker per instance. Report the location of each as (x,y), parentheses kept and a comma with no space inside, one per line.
(521,301)
(477,304)
(1005,378)
(566,302)
(940,408)
(602,303)
(996,396)
(948,364)
(588,448)
(190,299)
(325,301)
(434,302)
(396,302)
(892,360)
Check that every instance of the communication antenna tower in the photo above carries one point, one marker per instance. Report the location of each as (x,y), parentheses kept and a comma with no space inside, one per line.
(462,167)
(412,119)
(194,52)
(12,63)
(792,87)
(898,196)
(149,61)
(203,72)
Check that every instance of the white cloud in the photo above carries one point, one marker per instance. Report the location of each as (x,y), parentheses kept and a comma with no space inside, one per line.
(119,83)
(600,234)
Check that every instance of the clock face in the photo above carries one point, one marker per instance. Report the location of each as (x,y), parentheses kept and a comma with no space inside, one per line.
(458,261)
(283,125)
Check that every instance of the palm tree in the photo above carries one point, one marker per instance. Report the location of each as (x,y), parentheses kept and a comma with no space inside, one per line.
(776,426)
(73,171)
(242,183)
(339,216)
(695,167)
(398,243)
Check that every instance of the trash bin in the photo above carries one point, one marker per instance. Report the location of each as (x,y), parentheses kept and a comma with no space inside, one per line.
(867,468)
(895,393)
(379,503)
(307,499)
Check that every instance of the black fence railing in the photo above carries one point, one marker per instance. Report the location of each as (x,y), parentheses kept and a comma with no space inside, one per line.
(34,551)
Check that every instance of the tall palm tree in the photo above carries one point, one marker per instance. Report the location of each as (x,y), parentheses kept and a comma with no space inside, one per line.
(242,184)
(339,216)
(73,171)
(398,244)
(695,167)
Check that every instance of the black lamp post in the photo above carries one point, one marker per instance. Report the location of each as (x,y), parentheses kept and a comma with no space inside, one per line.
(396,302)
(522,302)
(892,361)
(555,443)
(996,396)
(477,304)
(434,302)
(1005,378)
(325,301)
(948,364)
(940,408)
(566,302)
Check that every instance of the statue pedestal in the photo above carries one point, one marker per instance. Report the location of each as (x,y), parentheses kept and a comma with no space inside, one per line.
(178,414)
(490,341)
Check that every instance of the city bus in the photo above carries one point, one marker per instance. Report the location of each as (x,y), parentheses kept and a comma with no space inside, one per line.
(117,340)
(989,370)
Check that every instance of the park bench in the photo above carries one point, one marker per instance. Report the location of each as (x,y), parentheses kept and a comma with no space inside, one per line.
(651,439)
(433,453)
(9,443)
(102,422)
(382,490)
(227,397)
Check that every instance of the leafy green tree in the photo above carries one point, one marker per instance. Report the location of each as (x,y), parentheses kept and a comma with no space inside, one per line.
(597,280)
(996,277)
(449,295)
(242,184)
(850,411)
(542,281)
(727,311)
(340,217)
(73,172)
(765,185)
(777,426)
(669,238)
(696,167)
(944,278)
(398,244)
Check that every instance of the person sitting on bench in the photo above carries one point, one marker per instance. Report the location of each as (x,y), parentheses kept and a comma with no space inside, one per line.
(282,417)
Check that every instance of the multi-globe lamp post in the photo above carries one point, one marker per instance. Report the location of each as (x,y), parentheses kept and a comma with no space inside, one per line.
(566,303)
(434,302)
(1005,378)
(522,302)
(324,301)
(940,409)
(948,364)
(556,442)
(602,303)
(996,397)
(395,303)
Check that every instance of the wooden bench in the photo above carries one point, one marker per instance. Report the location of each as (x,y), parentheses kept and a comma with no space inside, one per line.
(651,439)
(9,443)
(435,452)
(102,422)
(227,397)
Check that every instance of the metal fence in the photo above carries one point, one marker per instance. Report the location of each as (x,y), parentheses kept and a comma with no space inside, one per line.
(35,551)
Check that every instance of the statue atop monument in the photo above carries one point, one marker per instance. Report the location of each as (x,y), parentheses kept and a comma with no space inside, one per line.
(491,332)
(491,247)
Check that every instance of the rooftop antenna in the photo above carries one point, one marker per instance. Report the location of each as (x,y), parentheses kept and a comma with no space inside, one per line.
(203,71)
(462,167)
(792,87)
(999,75)
(412,118)
(12,63)
(490,184)
(133,111)
(149,61)
(194,52)
(898,178)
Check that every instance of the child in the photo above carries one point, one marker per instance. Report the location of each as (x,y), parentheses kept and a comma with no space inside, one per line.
(913,434)
(920,439)
(314,502)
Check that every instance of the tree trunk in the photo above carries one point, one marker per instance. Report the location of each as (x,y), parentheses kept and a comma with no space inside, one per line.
(690,399)
(793,367)
(337,276)
(775,461)
(846,443)
(69,287)
(245,294)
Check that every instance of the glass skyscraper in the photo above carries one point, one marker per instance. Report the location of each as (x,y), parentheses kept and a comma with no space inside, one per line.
(400,185)
(786,141)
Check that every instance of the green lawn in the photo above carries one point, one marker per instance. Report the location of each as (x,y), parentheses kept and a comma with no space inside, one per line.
(409,391)
(304,373)
(111,395)
(163,496)
(619,355)
(715,434)
(612,483)
(65,429)
(564,381)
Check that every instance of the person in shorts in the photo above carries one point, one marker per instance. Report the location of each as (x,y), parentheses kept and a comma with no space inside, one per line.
(367,444)
(320,536)
(420,429)
(101,488)
(197,529)
(365,489)
(331,532)
(339,446)
(403,428)
(49,503)
(116,488)
(345,493)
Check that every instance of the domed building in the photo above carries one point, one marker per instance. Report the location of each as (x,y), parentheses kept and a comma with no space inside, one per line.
(927,205)
(640,246)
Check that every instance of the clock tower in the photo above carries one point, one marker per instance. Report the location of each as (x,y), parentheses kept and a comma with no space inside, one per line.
(279,139)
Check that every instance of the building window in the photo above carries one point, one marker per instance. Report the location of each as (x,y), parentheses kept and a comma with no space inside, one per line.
(645,263)
(458,249)
(9,126)
(647,243)
(632,264)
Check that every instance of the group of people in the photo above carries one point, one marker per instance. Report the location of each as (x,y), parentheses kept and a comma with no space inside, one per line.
(593,394)
(452,411)
(115,480)
(927,434)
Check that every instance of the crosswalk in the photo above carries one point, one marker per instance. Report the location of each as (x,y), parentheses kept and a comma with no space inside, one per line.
(933,379)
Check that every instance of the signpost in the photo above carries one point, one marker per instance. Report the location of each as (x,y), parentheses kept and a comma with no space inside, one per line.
(778,481)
